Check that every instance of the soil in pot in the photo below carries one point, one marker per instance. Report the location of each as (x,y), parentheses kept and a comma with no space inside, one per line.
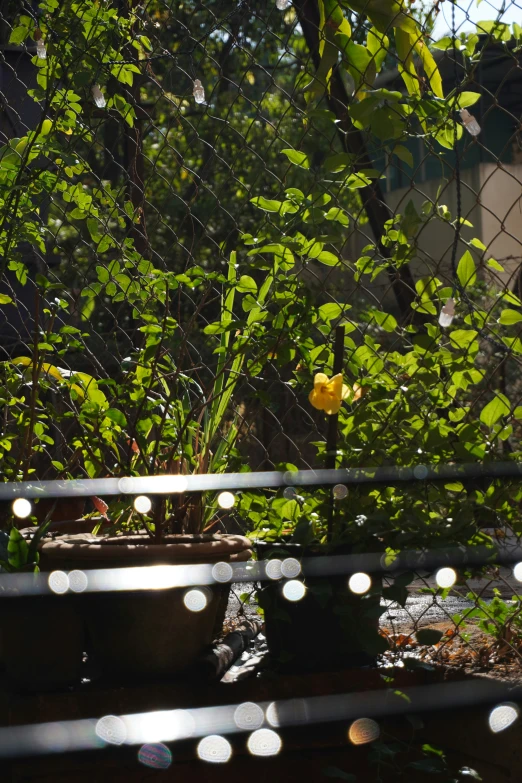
(329,628)
(147,634)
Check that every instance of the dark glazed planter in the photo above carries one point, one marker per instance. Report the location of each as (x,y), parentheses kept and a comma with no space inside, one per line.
(132,635)
(329,629)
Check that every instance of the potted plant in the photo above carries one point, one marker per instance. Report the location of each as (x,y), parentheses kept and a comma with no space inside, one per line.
(154,419)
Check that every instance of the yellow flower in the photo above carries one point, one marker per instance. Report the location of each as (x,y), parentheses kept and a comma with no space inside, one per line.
(328,393)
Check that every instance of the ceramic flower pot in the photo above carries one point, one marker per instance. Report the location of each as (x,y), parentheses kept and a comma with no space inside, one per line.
(134,634)
(329,628)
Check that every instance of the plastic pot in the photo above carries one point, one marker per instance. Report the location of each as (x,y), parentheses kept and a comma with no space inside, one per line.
(329,628)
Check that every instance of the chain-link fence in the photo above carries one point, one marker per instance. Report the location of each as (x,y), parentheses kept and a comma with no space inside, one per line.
(269,235)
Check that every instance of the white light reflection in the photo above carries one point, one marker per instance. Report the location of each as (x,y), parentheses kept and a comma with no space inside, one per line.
(196,600)
(78,581)
(142,504)
(363,730)
(21,508)
(517,572)
(264,742)
(294,590)
(501,717)
(55,737)
(226,500)
(58,582)
(445,577)
(159,726)
(112,730)
(214,749)
(249,716)
(273,569)
(144,485)
(222,572)
(359,583)
(290,568)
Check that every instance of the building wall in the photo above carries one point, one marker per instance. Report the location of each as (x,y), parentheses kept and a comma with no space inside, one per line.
(491,196)
(501,216)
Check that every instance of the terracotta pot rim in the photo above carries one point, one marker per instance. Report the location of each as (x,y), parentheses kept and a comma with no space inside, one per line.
(138,549)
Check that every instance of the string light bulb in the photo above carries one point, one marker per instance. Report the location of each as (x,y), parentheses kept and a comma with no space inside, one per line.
(198,91)
(447,314)
(98,96)
(469,122)
(41,51)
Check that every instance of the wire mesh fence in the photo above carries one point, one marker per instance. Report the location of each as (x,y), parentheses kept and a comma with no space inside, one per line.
(243,236)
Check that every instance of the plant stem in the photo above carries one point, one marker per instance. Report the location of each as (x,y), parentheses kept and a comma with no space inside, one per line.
(331,437)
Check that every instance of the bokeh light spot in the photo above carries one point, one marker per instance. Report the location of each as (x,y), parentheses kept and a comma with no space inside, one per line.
(112,730)
(215,749)
(226,500)
(502,717)
(445,577)
(21,508)
(142,504)
(294,590)
(195,600)
(78,581)
(155,755)
(264,742)
(290,568)
(273,569)
(249,716)
(517,572)
(58,582)
(222,572)
(359,583)
(340,491)
(363,731)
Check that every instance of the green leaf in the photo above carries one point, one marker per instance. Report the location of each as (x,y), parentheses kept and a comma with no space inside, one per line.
(247,285)
(385,320)
(428,636)
(331,311)
(17,549)
(462,338)
(464,99)
(337,214)
(404,154)
(477,243)
(266,204)
(19,34)
(297,158)
(466,270)
(338,162)
(494,410)
(508,317)
(494,265)
(116,416)
(4,299)
(327,258)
